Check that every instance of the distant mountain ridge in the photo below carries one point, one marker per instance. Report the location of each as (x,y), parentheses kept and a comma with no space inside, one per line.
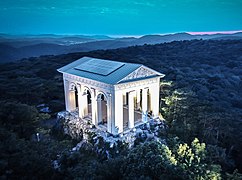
(15,47)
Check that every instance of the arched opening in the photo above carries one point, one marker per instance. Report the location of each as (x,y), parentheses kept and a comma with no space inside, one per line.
(145,103)
(148,102)
(76,97)
(139,102)
(102,109)
(132,106)
(125,111)
(89,103)
(137,108)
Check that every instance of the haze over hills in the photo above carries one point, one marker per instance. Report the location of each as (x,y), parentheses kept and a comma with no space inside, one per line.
(16,47)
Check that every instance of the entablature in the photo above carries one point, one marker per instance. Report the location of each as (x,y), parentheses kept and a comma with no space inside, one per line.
(139,83)
(88,82)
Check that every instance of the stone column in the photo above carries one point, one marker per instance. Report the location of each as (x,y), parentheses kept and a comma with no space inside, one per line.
(84,104)
(124,99)
(94,107)
(72,100)
(66,90)
(144,103)
(110,113)
(69,97)
(131,109)
(155,94)
(138,98)
(80,105)
(118,128)
(99,109)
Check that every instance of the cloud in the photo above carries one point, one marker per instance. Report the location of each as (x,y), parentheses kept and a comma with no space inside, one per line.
(144,3)
(74,7)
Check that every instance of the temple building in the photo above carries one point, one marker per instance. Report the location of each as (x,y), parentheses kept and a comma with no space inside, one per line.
(116,96)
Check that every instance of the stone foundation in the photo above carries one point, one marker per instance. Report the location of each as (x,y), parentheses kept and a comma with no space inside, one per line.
(83,130)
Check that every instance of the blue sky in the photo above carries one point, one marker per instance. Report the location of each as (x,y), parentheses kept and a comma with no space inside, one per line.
(119,17)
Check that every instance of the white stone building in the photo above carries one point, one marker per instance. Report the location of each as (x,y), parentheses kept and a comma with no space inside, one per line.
(114,95)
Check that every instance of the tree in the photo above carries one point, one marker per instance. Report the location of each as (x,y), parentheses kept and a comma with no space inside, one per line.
(190,162)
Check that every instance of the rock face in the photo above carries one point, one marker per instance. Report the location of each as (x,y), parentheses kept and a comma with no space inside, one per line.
(101,141)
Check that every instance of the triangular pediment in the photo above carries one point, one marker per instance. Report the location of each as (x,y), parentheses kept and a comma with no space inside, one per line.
(141,72)
(107,71)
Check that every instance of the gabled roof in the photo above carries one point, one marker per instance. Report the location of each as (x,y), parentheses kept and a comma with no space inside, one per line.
(107,71)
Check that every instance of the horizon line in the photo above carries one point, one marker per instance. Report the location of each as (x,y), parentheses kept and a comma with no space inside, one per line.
(126,35)
(213,32)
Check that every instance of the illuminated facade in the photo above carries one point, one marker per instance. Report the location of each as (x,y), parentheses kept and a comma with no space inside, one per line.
(115,96)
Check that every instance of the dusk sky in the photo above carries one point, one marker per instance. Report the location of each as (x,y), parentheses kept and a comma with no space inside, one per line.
(119,17)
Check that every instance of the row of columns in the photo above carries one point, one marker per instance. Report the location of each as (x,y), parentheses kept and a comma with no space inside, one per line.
(144,105)
(114,105)
(119,107)
(83,103)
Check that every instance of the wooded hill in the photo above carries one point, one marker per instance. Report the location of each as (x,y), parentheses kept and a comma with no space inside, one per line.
(204,102)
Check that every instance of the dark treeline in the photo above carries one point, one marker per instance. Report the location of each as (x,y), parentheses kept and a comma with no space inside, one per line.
(203,101)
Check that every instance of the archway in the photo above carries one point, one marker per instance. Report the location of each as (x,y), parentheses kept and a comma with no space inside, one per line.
(125,110)
(102,109)
(76,98)
(137,107)
(89,103)
(145,103)
(148,102)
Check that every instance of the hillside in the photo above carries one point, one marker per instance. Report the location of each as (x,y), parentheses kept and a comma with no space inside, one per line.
(37,45)
(207,81)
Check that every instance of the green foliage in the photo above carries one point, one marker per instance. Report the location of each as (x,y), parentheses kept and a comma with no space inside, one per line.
(14,112)
(18,117)
(43,116)
(218,155)
(190,162)
(143,161)
(27,159)
(234,176)
(203,100)
(188,117)
(158,161)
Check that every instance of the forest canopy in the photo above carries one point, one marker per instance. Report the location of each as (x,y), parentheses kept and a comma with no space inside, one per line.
(201,100)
